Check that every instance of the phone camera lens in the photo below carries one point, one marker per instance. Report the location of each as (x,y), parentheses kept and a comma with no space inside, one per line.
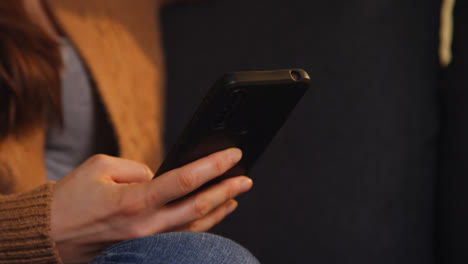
(238,94)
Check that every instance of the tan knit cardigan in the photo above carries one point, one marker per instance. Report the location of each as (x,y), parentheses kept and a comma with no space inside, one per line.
(119,41)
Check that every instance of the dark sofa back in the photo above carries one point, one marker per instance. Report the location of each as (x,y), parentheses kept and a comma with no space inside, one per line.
(350,177)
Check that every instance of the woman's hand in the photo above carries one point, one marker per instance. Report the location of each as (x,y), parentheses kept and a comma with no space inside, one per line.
(107,200)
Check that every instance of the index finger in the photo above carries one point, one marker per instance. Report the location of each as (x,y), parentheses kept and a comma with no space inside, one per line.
(184,180)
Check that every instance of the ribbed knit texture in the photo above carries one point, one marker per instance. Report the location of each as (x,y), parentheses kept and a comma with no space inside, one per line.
(25,227)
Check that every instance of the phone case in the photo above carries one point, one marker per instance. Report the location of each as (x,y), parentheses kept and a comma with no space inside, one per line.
(243,110)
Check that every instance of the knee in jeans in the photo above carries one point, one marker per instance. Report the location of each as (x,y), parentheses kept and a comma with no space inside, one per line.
(182,247)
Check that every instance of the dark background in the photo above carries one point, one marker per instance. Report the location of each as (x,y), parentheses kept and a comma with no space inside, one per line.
(452,213)
(351,177)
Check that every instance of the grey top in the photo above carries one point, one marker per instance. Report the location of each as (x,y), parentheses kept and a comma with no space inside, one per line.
(83,120)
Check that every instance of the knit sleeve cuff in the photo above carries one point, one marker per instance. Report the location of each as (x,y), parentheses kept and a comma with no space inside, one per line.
(25,235)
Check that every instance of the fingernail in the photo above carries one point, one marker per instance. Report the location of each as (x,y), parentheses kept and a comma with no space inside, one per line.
(231,207)
(234,154)
(148,171)
(246,184)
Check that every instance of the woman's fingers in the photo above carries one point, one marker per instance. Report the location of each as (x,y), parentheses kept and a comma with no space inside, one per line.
(182,181)
(201,208)
(201,204)
(211,219)
(120,170)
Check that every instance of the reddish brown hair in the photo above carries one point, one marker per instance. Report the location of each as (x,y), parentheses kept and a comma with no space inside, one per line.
(30,64)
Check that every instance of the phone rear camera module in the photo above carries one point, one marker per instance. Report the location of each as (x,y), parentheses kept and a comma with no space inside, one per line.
(237,96)
(219,123)
(222,118)
(295,75)
(238,93)
(243,130)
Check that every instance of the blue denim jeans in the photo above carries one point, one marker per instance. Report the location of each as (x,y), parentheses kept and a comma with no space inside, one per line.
(183,247)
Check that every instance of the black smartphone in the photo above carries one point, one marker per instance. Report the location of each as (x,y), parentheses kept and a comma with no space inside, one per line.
(243,110)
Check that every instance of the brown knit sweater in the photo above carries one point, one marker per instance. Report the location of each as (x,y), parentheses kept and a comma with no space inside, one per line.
(119,41)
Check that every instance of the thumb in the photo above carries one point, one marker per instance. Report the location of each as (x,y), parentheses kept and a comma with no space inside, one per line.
(128,171)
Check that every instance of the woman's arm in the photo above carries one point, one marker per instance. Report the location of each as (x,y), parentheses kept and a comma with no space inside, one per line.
(107,200)
(25,235)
